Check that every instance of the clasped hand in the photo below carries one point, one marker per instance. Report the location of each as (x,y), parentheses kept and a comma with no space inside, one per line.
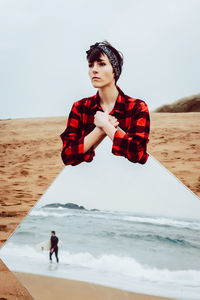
(102,118)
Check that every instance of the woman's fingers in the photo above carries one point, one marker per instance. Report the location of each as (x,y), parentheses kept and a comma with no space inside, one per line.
(113,121)
(112,118)
(100,117)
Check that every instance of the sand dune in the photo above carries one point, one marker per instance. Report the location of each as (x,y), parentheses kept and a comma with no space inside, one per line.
(186,104)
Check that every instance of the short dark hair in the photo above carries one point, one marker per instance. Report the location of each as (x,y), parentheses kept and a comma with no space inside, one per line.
(53,232)
(94,54)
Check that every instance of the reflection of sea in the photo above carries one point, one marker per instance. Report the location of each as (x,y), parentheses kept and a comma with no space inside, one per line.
(141,253)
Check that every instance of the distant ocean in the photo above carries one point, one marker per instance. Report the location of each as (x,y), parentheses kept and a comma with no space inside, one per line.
(141,253)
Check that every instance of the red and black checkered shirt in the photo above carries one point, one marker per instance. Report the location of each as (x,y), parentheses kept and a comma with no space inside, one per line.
(133,117)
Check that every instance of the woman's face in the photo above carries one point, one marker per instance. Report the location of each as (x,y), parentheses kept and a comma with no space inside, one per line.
(103,70)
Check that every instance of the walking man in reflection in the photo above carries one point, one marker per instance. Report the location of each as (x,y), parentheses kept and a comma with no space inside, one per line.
(54,246)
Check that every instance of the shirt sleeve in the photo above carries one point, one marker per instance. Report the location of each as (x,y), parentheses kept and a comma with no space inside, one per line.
(73,141)
(133,143)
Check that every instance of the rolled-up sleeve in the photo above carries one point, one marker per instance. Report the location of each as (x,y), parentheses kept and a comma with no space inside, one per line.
(133,143)
(73,141)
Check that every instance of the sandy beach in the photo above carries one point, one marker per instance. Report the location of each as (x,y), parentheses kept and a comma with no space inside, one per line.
(65,289)
(30,161)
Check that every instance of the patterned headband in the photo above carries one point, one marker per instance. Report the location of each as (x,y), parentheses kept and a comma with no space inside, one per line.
(112,57)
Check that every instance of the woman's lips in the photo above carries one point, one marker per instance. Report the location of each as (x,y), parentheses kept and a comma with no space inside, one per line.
(95,78)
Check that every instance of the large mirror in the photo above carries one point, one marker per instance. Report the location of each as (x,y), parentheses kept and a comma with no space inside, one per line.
(124,225)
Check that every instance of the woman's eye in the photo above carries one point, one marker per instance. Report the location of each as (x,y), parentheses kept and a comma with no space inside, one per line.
(101,64)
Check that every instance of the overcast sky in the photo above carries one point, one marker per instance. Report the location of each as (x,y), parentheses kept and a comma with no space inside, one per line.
(43,67)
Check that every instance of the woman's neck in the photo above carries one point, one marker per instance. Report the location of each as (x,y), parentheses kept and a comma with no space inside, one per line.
(108,95)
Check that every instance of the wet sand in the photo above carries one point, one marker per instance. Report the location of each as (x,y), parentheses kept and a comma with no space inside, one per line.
(65,289)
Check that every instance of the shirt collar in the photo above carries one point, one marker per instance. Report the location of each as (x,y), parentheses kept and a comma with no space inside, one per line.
(118,104)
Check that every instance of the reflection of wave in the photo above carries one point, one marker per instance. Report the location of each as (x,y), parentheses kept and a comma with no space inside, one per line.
(41,213)
(123,265)
(160,238)
(163,222)
(165,240)
(25,233)
(156,221)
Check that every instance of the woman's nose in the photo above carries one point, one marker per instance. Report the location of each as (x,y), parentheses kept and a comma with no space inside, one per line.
(95,68)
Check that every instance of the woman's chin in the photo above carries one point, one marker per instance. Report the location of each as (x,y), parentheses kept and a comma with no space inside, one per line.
(98,84)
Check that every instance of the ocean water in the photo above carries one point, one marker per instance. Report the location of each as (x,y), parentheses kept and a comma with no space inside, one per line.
(136,252)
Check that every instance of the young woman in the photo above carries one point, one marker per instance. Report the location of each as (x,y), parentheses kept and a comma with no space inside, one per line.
(125,120)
